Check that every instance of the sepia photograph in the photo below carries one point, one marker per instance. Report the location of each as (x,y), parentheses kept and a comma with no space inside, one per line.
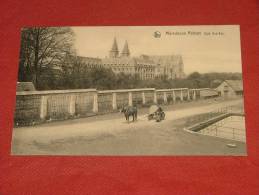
(130,91)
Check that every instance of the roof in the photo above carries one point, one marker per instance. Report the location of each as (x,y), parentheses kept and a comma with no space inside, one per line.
(167,59)
(25,86)
(236,85)
(119,61)
(144,60)
(208,93)
(132,61)
(90,60)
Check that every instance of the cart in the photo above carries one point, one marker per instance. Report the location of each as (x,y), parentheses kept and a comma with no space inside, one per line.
(156,113)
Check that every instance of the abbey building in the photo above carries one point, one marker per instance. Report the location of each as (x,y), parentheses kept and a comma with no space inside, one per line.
(146,66)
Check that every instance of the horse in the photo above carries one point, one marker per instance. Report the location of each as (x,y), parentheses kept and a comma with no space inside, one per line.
(130,111)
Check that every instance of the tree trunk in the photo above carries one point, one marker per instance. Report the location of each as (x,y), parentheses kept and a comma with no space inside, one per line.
(36,58)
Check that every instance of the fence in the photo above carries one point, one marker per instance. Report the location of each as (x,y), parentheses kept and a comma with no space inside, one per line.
(36,106)
(217,123)
(224,129)
(224,111)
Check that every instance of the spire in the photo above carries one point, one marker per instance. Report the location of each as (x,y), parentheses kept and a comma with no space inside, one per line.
(125,52)
(114,52)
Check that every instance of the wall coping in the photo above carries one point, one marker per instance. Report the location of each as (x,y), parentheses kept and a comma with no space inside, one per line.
(49,92)
(175,89)
(126,90)
(200,89)
(55,92)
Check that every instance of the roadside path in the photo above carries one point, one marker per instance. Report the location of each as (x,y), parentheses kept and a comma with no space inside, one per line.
(50,133)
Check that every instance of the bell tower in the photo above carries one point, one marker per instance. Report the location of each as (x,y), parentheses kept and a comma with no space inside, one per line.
(125,52)
(114,52)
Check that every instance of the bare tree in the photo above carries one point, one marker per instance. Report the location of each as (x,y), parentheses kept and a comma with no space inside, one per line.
(74,72)
(43,48)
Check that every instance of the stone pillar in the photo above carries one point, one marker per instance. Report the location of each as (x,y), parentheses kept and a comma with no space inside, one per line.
(43,107)
(143,98)
(181,96)
(194,95)
(155,98)
(165,98)
(174,98)
(114,101)
(130,98)
(188,94)
(95,102)
(72,104)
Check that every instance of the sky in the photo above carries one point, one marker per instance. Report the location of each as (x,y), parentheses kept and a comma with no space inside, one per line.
(207,48)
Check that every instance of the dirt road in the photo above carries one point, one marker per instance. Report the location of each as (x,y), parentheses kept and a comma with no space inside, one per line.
(114,136)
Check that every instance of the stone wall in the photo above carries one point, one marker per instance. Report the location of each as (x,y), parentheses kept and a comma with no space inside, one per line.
(33,107)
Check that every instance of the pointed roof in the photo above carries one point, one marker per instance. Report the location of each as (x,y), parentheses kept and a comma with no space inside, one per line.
(125,50)
(236,85)
(115,45)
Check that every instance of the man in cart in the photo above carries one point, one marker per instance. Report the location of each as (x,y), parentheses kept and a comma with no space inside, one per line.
(156,113)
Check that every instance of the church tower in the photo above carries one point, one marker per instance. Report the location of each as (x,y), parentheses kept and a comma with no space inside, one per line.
(114,52)
(125,52)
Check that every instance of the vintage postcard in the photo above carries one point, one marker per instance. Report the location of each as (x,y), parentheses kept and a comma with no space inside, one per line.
(130,91)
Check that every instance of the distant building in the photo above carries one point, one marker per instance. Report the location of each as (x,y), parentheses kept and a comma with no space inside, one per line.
(231,88)
(114,52)
(170,66)
(91,62)
(147,67)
